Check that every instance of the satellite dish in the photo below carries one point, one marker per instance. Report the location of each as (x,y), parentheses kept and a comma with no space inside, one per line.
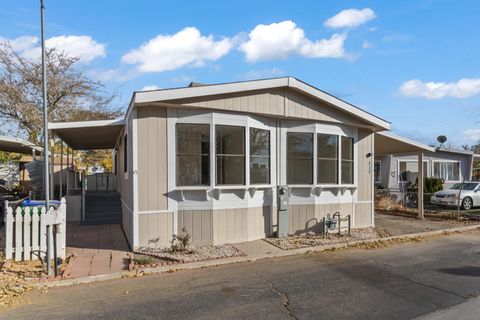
(441,139)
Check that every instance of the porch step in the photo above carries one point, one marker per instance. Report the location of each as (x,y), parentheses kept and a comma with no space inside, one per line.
(102,221)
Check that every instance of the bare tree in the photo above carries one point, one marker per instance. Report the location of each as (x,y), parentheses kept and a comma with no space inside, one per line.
(72,96)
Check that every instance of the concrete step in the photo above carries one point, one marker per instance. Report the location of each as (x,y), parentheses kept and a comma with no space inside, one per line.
(102,221)
(103,208)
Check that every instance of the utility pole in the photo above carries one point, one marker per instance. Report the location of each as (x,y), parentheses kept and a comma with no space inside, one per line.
(46,176)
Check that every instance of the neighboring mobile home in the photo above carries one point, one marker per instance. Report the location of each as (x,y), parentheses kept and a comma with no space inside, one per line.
(210,158)
(397,171)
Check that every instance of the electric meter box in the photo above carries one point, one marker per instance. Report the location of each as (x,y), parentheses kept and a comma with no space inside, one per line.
(282,206)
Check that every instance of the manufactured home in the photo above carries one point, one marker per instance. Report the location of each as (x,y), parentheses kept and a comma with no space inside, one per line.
(210,158)
(397,171)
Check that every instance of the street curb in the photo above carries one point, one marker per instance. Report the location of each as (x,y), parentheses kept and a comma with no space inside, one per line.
(285,253)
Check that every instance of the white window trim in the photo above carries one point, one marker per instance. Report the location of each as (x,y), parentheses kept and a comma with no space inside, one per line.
(316,128)
(379,171)
(460,173)
(425,174)
(217,118)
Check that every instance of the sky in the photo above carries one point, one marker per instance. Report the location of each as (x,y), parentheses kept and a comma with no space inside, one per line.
(413,63)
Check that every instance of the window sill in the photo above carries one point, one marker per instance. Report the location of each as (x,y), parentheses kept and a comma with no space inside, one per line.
(187,188)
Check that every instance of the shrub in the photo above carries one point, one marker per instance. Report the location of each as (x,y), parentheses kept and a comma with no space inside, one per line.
(181,242)
(430,185)
(144,260)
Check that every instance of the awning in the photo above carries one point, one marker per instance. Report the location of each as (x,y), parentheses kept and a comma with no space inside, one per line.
(389,143)
(17,145)
(88,135)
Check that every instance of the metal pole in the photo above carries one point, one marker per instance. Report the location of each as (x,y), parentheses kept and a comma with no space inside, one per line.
(46,176)
(61,169)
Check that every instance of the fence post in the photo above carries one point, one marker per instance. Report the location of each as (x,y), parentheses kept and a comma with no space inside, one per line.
(43,233)
(8,232)
(26,233)
(18,234)
(35,228)
(61,235)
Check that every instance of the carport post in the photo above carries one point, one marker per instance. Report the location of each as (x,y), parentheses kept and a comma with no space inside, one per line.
(68,168)
(61,169)
(421,175)
(52,167)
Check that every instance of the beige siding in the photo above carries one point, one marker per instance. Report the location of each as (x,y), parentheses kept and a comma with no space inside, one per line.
(365,146)
(276,102)
(363,215)
(261,101)
(152,158)
(155,229)
(307,218)
(301,106)
(125,184)
(199,224)
(206,226)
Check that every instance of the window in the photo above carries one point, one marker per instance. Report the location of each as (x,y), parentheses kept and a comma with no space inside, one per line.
(230,152)
(259,156)
(327,158)
(193,154)
(408,171)
(125,153)
(377,171)
(448,171)
(347,160)
(299,158)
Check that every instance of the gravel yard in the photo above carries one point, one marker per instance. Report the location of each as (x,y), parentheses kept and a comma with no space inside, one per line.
(201,253)
(307,241)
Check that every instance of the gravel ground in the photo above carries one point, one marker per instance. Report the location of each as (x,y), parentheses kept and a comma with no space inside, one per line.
(200,253)
(466,217)
(307,241)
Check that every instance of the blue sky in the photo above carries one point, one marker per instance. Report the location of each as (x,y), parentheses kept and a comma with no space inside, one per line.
(414,63)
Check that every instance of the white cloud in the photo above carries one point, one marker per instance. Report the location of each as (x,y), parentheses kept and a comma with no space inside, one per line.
(367,45)
(147,88)
(169,52)
(82,47)
(350,18)
(472,134)
(464,88)
(279,40)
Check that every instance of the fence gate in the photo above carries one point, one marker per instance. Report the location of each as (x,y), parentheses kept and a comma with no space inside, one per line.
(26,235)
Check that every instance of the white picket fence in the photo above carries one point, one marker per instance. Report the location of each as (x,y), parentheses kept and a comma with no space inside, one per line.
(26,232)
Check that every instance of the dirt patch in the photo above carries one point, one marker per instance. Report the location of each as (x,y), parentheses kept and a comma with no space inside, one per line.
(447,215)
(16,279)
(307,241)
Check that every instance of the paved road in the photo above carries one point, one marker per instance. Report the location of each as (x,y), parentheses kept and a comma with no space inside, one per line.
(401,282)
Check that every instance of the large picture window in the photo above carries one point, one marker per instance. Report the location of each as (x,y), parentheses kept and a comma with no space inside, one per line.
(230,153)
(193,154)
(299,158)
(377,171)
(448,171)
(327,158)
(347,160)
(259,156)
(408,171)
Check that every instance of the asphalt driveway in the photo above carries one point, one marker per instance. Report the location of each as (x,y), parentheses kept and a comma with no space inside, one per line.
(400,282)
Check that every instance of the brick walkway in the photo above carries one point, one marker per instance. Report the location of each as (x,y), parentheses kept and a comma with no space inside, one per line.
(97,249)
